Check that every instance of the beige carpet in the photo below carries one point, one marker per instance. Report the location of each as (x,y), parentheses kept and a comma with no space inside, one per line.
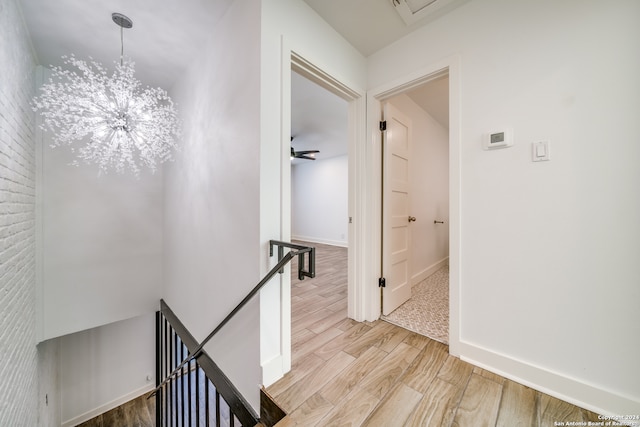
(427,312)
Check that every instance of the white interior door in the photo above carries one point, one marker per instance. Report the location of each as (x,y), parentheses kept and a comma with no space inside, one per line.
(396,218)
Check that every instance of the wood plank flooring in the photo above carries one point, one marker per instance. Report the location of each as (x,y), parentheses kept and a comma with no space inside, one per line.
(139,412)
(346,373)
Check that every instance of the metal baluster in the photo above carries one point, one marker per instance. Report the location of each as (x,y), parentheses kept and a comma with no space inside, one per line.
(206,399)
(171,384)
(197,394)
(159,353)
(217,409)
(189,391)
(301,266)
(182,382)
(175,392)
(167,369)
(312,263)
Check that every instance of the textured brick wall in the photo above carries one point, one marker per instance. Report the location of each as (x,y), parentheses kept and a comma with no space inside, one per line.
(18,356)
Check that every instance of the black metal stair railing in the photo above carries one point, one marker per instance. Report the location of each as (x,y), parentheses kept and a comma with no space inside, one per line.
(301,250)
(200,394)
(194,390)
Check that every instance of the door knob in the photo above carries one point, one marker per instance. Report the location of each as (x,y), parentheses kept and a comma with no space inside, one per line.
(412,218)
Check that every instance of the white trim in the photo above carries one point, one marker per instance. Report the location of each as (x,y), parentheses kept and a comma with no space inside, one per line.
(107,406)
(576,392)
(285,216)
(318,76)
(356,126)
(272,370)
(370,293)
(276,367)
(358,226)
(419,277)
(341,243)
(410,81)
(455,207)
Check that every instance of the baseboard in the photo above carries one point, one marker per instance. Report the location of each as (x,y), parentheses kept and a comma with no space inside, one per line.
(419,277)
(107,406)
(272,370)
(341,243)
(574,391)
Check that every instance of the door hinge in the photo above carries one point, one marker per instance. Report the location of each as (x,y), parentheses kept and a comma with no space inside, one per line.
(382,282)
(383,125)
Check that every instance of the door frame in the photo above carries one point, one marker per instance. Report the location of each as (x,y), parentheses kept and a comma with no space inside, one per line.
(375,98)
(365,189)
(356,98)
(356,119)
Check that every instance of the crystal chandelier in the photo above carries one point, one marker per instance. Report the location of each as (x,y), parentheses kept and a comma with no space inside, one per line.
(109,120)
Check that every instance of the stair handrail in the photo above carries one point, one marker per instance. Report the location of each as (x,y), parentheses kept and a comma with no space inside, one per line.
(302,273)
(238,405)
(278,268)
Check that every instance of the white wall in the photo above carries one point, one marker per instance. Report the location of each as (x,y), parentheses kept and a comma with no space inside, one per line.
(49,398)
(429,189)
(18,356)
(100,241)
(101,247)
(286,26)
(319,201)
(102,368)
(212,194)
(99,262)
(549,271)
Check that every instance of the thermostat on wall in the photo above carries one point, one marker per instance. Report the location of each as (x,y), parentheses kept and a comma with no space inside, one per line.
(499,139)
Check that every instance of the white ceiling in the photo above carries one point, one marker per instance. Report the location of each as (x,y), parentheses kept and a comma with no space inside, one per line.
(167,35)
(318,120)
(370,25)
(433,97)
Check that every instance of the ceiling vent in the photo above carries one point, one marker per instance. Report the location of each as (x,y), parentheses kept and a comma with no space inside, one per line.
(412,11)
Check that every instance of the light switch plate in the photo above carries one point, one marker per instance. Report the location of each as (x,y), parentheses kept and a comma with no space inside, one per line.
(540,151)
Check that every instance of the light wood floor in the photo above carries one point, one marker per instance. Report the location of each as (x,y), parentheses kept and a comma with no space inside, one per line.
(347,373)
(139,412)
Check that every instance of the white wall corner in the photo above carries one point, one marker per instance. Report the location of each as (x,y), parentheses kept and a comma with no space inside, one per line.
(421,275)
(320,240)
(107,406)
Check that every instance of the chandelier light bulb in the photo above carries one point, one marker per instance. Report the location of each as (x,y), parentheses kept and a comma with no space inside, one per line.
(108,120)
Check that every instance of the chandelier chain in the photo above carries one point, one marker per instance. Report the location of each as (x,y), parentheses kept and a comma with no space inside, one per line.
(121,45)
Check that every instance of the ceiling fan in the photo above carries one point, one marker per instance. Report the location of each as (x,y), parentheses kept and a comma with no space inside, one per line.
(307,154)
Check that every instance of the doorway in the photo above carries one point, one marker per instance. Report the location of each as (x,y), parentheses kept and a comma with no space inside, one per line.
(375,100)
(319,164)
(415,234)
(279,354)
(319,208)
(364,302)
